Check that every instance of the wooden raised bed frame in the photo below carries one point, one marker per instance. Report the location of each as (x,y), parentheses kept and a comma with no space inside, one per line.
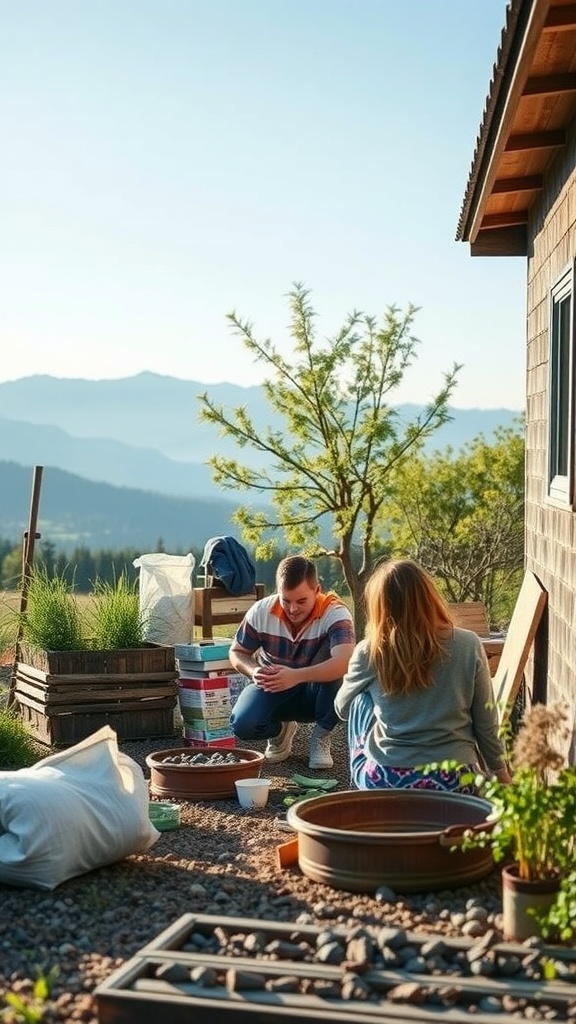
(64,696)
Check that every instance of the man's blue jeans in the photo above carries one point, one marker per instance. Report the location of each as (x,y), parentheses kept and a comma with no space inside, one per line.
(258,715)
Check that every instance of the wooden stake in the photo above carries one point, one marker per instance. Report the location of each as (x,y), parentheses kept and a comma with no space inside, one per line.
(29,539)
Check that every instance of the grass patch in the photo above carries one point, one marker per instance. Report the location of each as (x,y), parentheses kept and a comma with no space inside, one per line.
(116,622)
(18,749)
(52,619)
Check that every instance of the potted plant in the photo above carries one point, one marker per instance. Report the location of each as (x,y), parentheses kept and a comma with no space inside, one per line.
(534,833)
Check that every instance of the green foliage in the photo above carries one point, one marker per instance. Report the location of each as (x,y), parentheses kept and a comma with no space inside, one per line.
(8,630)
(537,810)
(536,824)
(342,439)
(52,619)
(559,923)
(461,516)
(29,1009)
(17,748)
(116,622)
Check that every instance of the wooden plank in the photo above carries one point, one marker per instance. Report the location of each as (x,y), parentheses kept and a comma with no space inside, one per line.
(531,183)
(86,678)
(99,707)
(505,220)
(550,85)
(176,935)
(493,647)
(524,623)
(287,853)
(536,140)
(471,615)
(186,1000)
(215,606)
(560,18)
(510,241)
(75,697)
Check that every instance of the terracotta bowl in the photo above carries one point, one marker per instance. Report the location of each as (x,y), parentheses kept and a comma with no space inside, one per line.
(201,782)
(358,840)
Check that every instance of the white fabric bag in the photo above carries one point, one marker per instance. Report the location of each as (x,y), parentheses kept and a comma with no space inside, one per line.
(72,812)
(166,597)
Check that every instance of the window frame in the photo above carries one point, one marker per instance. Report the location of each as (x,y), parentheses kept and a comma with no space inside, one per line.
(561,440)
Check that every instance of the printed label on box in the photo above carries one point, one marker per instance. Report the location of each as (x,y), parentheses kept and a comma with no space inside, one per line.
(207,734)
(206,718)
(189,699)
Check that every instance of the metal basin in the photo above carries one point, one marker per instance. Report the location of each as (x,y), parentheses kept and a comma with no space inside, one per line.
(358,840)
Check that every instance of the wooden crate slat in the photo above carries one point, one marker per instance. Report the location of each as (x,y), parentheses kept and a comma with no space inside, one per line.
(119,679)
(151,659)
(87,706)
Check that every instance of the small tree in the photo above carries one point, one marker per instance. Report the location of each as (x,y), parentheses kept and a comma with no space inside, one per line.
(461,515)
(341,442)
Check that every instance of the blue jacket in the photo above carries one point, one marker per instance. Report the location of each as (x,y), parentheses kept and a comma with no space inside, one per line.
(226,560)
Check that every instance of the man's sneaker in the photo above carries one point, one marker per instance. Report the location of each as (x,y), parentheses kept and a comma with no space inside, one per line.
(320,756)
(280,746)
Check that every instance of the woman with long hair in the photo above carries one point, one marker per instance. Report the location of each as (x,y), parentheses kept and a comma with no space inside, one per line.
(417,694)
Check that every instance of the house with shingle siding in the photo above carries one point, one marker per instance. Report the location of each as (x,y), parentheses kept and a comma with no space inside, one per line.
(520,200)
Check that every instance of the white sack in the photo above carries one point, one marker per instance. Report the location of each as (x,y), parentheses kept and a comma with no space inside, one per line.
(74,811)
(166,597)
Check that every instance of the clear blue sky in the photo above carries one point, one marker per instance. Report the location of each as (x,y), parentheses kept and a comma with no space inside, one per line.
(167,161)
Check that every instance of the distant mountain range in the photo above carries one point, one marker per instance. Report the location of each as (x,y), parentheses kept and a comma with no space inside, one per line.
(125,460)
(75,512)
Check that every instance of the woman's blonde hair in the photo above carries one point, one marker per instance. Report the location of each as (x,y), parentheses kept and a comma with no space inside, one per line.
(407,620)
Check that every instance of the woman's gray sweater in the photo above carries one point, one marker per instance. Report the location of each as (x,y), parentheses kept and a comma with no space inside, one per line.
(454,719)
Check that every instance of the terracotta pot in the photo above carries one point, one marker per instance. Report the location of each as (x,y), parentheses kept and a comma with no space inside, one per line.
(359,840)
(520,897)
(201,782)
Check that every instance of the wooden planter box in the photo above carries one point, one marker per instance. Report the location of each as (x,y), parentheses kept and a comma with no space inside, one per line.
(157,983)
(64,696)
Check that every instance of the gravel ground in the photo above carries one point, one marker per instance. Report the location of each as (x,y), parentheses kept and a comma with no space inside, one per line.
(222,860)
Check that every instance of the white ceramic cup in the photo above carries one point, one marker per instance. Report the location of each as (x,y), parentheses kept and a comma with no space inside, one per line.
(252,793)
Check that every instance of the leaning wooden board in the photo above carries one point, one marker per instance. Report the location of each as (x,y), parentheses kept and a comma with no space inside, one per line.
(524,623)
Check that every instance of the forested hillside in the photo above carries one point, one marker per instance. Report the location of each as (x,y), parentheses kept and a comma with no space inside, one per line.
(74,511)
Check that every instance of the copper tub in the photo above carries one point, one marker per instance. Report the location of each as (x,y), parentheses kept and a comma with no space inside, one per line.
(358,840)
(201,782)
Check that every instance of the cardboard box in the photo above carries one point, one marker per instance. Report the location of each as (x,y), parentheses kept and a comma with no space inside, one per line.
(205,650)
(204,673)
(191,667)
(228,741)
(189,701)
(206,721)
(207,735)
(199,684)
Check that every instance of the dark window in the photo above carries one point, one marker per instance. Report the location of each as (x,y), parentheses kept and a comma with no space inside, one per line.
(561,439)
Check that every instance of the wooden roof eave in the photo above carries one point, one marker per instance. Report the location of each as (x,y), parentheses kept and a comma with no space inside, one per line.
(511,239)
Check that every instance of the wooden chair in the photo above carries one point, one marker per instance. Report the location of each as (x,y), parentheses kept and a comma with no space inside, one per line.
(214,606)
(471,615)
(474,615)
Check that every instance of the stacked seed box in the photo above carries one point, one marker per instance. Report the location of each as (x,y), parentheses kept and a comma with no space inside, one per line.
(207,690)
